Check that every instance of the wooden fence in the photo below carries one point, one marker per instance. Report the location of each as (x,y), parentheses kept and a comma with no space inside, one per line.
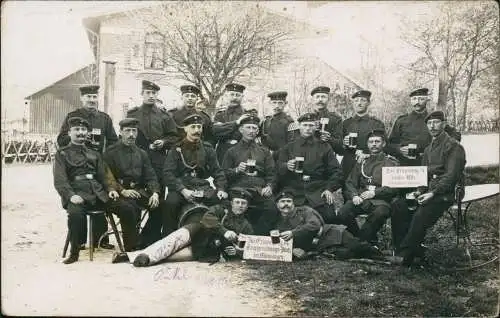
(28,149)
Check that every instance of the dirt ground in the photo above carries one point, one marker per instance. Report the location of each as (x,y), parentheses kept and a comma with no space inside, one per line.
(35,282)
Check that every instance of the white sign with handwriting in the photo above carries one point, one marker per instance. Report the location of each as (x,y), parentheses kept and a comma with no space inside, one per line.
(262,248)
(404,177)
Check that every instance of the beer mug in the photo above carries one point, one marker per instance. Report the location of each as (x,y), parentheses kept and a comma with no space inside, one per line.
(299,164)
(95,136)
(411,201)
(324,121)
(353,140)
(250,166)
(412,151)
(275,236)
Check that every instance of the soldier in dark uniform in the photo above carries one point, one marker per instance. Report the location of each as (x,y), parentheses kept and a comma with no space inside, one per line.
(330,124)
(365,192)
(309,167)
(310,233)
(190,95)
(275,132)
(157,130)
(186,169)
(217,232)
(79,178)
(410,131)
(250,166)
(102,133)
(445,161)
(361,124)
(137,184)
(225,127)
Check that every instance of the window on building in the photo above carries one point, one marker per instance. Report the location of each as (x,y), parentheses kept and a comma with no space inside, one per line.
(154,51)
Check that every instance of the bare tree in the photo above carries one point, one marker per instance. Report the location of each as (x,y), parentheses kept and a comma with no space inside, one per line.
(463,41)
(211,44)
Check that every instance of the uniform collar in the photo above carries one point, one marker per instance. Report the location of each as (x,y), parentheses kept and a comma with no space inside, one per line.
(190,145)
(360,117)
(247,144)
(148,107)
(322,111)
(280,114)
(306,141)
(379,156)
(129,148)
(234,109)
(420,115)
(440,138)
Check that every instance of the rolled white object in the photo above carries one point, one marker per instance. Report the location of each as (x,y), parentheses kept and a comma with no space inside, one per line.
(165,247)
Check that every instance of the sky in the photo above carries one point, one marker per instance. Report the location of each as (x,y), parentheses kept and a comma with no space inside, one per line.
(42,42)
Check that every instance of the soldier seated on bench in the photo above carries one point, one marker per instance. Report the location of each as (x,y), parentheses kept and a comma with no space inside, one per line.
(79,178)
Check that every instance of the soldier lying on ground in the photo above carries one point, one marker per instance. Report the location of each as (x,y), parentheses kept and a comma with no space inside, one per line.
(204,240)
(311,234)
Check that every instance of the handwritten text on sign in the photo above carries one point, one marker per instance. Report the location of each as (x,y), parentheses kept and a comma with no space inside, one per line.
(262,248)
(404,177)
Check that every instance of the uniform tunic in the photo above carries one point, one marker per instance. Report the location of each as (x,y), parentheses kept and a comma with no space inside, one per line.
(262,212)
(275,132)
(306,224)
(359,179)
(445,161)
(78,160)
(334,127)
(200,163)
(264,165)
(102,131)
(178,114)
(364,176)
(154,124)
(71,162)
(321,170)
(132,167)
(412,129)
(225,129)
(363,126)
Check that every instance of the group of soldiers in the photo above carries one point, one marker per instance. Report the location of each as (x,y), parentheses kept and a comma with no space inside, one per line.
(253,177)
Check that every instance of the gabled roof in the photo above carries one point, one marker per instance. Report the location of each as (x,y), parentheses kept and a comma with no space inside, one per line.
(59,82)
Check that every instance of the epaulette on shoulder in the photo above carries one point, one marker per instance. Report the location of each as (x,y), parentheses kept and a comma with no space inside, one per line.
(289,118)
(113,146)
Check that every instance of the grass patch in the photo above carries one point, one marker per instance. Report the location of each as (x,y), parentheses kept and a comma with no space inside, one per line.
(325,287)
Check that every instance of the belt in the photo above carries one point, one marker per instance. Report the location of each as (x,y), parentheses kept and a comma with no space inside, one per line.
(315,240)
(87,176)
(129,184)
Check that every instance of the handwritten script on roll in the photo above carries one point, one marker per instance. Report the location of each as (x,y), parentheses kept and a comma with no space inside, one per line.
(262,248)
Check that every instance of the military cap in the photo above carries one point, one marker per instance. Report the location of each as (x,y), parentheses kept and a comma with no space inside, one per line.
(277,95)
(308,117)
(77,122)
(362,93)
(437,114)
(235,87)
(150,85)
(250,120)
(420,92)
(89,89)
(377,133)
(240,193)
(321,89)
(129,122)
(285,194)
(190,89)
(192,119)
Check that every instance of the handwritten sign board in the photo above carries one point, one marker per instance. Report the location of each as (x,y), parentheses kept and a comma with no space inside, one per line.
(262,248)
(404,177)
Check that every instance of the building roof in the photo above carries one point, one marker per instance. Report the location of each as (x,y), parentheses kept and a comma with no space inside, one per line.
(58,84)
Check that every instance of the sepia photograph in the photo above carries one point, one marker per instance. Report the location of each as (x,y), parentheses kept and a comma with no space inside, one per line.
(250,158)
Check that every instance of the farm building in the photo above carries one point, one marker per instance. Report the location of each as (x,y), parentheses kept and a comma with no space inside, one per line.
(49,106)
